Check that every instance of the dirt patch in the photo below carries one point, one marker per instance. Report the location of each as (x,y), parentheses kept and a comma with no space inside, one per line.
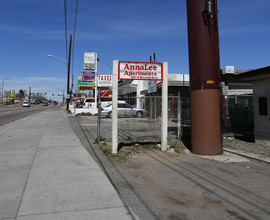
(180,185)
(133,155)
(161,181)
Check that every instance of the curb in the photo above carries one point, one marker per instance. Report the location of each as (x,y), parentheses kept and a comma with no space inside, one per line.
(249,155)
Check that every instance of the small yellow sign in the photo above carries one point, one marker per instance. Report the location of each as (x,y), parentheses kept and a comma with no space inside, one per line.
(210,82)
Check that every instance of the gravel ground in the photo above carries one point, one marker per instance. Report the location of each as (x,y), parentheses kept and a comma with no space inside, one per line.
(247,147)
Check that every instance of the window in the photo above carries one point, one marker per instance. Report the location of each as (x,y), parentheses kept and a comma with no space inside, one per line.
(263,106)
(127,106)
(120,105)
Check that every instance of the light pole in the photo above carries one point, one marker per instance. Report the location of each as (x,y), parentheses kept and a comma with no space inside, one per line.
(30,92)
(63,94)
(49,55)
(59,58)
(3,89)
(68,72)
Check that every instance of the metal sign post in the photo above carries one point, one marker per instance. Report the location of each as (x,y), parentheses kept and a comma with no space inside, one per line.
(140,71)
(164,113)
(114,107)
(98,122)
(90,63)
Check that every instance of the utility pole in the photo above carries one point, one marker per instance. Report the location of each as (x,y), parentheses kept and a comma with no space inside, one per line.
(63,96)
(3,90)
(68,73)
(29,96)
(204,66)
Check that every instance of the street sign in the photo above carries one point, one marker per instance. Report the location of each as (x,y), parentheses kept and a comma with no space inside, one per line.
(229,69)
(104,80)
(128,70)
(88,77)
(90,60)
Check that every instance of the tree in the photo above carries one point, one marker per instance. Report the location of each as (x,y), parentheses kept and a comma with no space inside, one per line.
(21,94)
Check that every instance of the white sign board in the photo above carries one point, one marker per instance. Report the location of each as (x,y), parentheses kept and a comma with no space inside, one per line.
(229,69)
(104,80)
(164,114)
(90,59)
(140,71)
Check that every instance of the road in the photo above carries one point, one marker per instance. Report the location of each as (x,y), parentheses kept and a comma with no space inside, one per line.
(11,113)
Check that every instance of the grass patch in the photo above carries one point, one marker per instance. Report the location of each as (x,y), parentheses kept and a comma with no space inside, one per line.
(151,146)
(109,154)
(227,145)
(84,114)
(175,149)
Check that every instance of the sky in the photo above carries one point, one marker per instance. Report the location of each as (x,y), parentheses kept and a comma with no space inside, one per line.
(118,30)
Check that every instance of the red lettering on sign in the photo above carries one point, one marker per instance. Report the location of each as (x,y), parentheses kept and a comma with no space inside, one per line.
(126,67)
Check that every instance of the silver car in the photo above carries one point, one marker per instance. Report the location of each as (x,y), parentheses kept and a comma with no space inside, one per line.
(26,103)
(124,110)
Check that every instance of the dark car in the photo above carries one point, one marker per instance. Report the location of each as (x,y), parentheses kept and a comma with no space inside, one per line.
(36,102)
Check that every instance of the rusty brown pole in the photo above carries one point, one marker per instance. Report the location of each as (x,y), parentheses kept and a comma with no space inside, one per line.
(204,66)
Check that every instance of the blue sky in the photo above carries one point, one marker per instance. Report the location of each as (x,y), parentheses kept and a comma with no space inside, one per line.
(119,30)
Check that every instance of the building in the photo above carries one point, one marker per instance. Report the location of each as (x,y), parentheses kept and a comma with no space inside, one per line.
(260,79)
(232,86)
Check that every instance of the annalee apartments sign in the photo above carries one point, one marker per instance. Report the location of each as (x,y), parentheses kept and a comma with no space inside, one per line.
(128,70)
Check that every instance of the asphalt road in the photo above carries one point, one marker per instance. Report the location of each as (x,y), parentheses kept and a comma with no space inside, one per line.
(11,113)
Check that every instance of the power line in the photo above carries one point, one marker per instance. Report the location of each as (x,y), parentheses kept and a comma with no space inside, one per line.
(105,62)
(65,12)
(73,43)
(75,22)
(69,25)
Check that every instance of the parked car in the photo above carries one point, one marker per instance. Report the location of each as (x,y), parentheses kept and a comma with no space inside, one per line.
(36,102)
(124,110)
(88,102)
(45,103)
(26,103)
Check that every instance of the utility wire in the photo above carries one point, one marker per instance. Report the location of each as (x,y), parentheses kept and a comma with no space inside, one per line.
(73,43)
(105,62)
(69,7)
(65,12)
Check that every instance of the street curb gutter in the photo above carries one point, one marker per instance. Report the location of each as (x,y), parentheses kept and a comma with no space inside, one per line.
(249,155)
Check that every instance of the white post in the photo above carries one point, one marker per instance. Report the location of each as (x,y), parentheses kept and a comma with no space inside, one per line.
(114,107)
(96,86)
(164,114)
(96,80)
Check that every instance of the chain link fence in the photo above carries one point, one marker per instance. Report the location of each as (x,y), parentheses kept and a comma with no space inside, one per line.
(139,119)
(240,111)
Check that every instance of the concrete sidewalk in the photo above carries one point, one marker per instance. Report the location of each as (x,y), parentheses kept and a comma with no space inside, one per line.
(45,173)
